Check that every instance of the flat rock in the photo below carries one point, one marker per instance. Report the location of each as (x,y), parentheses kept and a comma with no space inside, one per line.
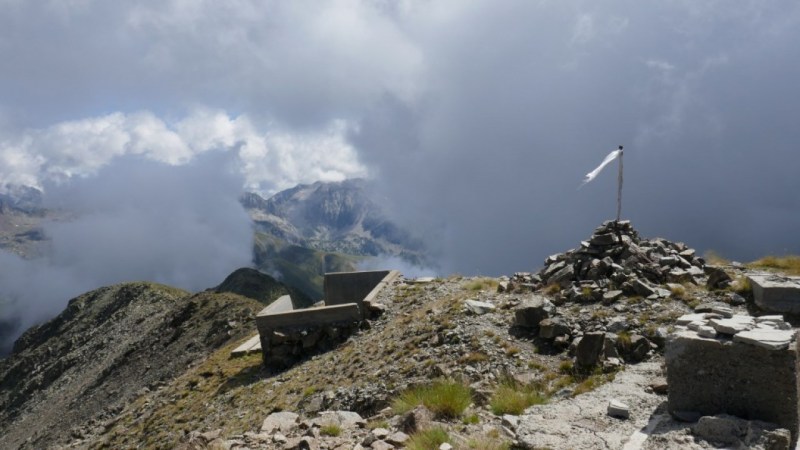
(724,429)
(724,311)
(381,445)
(612,296)
(283,421)
(766,338)
(479,308)
(706,331)
(686,319)
(423,280)
(735,324)
(397,438)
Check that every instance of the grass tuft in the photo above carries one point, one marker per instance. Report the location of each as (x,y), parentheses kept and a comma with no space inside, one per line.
(512,398)
(331,430)
(446,399)
(428,439)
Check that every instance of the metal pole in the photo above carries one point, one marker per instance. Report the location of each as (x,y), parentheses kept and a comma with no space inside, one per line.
(619,186)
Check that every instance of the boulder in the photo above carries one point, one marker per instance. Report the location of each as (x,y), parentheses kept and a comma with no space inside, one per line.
(717,278)
(551,328)
(639,348)
(532,311)
(589,349)
(283,421)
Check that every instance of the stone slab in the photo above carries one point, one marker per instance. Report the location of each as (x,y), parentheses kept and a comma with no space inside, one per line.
(251,345)
(766,338)
(349,312)
(733,325)
(281,305)
(776,293)
(478,307)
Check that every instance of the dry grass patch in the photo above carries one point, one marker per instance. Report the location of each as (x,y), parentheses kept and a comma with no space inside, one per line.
(715,259)
(481,284)
(513,398)
(789,264)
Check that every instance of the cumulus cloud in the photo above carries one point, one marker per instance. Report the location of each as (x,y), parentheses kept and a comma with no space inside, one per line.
(270,160)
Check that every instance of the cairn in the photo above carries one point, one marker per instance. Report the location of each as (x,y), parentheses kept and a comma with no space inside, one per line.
(612,263)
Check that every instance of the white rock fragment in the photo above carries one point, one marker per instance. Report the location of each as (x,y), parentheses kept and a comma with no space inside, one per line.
(771,318)
(445,446)
(618,409)
(422,280)
(769,339)
(707,332)
(735,324)
(686,319)
(284,421)
(380,433)
(479,308)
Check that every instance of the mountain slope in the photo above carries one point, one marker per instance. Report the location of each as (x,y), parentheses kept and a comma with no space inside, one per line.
(333,217)
(70,376)
(298,266)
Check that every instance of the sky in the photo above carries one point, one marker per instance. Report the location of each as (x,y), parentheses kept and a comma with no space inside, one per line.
(476,120)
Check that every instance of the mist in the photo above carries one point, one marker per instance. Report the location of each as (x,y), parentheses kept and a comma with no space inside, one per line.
(135,220)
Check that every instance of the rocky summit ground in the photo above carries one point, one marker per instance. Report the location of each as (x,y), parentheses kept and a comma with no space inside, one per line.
(518,346)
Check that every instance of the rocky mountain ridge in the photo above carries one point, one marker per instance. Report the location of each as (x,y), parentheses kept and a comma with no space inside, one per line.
(333,217)
(112,344)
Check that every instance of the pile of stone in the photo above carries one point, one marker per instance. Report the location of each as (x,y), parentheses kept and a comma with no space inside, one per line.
(614,262)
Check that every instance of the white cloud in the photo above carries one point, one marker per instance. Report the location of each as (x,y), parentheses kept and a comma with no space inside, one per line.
(270,159)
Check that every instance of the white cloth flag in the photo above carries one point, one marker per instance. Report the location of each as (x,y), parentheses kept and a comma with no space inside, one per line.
(591,175)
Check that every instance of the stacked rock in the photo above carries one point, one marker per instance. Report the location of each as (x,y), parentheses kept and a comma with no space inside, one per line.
(615,261)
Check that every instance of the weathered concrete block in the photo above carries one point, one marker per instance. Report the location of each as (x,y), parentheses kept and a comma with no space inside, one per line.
(281,305)
(776,293)
(714,376)
(251,345)
(355,287)
(308,317)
